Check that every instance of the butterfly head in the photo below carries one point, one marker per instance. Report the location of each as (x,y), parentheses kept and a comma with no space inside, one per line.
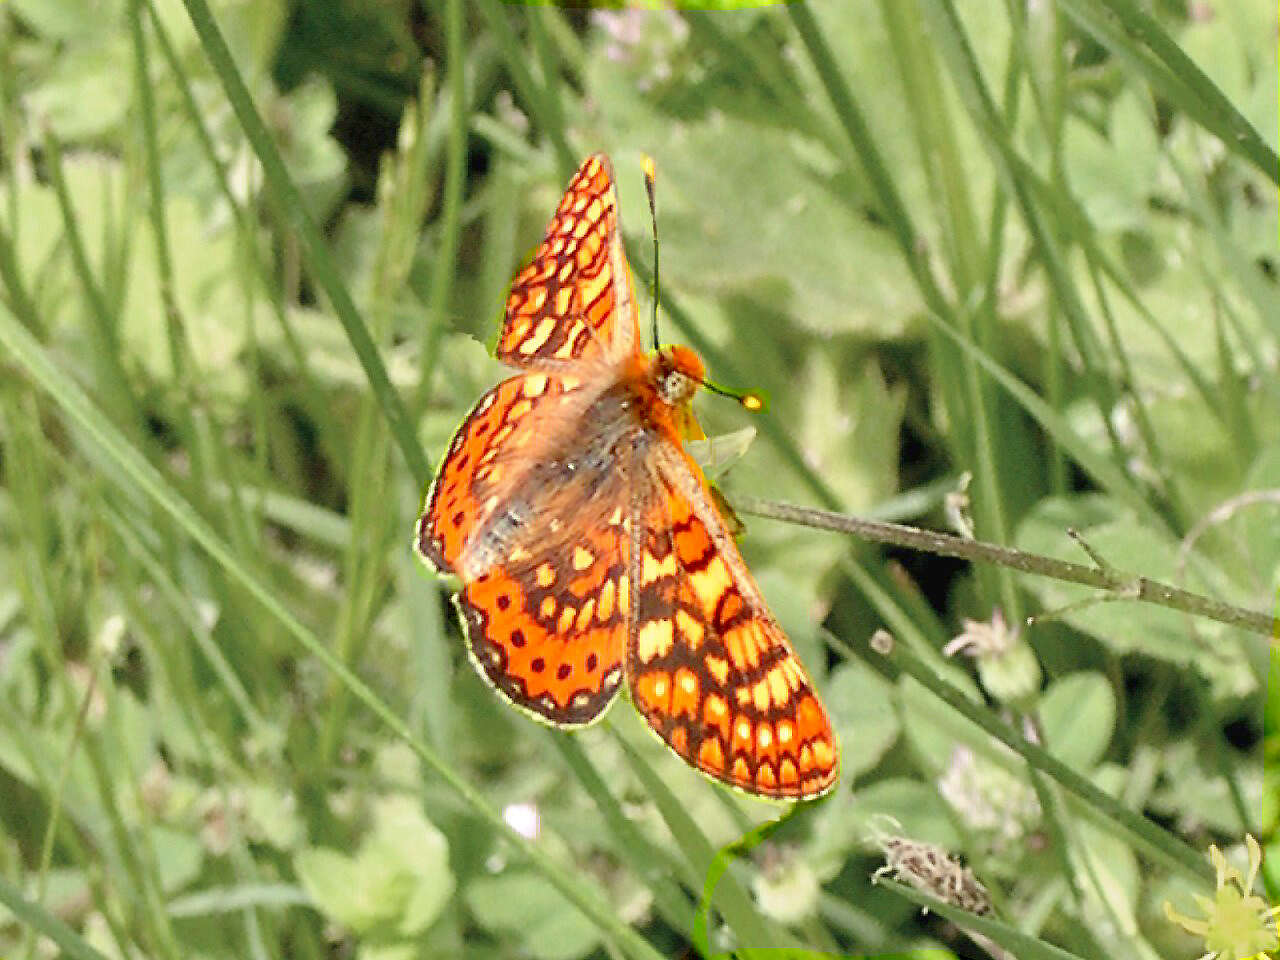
(678,374)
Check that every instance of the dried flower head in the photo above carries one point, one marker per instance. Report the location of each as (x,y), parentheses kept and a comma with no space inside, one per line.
(1237,923)
(934,871)
(1007,665)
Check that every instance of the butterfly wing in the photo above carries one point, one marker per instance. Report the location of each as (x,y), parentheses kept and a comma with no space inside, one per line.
(575,300)
(528,511)
(707,665)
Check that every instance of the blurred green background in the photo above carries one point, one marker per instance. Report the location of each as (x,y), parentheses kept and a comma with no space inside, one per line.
(1003,268)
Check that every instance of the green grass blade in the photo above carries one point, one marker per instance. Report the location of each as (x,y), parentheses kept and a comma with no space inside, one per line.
(37,918)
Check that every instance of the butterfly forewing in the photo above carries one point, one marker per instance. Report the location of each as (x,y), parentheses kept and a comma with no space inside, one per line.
(527,511)
(707,665)
(574,301)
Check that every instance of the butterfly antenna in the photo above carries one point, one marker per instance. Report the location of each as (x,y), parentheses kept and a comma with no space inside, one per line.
(753,401)
(650,175)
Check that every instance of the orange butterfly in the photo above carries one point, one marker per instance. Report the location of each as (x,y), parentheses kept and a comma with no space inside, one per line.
(586,538)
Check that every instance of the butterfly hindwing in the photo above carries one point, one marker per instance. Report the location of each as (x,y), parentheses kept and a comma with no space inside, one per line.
(547,628)
(707,665)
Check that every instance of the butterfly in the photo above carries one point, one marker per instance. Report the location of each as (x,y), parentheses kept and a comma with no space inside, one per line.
(588,543)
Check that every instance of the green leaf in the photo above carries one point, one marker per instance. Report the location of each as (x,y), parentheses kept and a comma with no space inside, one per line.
(179,855)
(327,875)
(522,905)
(1108,871)
(862,711)
(1078,712)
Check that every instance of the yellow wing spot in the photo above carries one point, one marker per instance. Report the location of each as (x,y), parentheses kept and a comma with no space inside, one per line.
(518,410)
(500,437)
(710,583)
(566,271)
(537,297)
(566,348)
(778,687)
(652,569)
(743,731)
(593,287)
(760,696)
(564,299)
(535,385)
(539,337)
(595,210)
(719,668)
(548,608)
(569,384)
(582,558)
(567,616)
(660,686)
(624,594)
(688,682)
(764,736)
(654,639)
(716,706)
(605,610)
(690,629)
(546,575)
(784,732)
(585,614)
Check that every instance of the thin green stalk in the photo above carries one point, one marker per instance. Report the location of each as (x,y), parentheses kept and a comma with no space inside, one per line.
(314,249)
(1019,944)
(532,94)
(112,379)
(1121,583)
(249,241)
(654,869)
(864,145)
(434,321)
(734,903)
(959,55)
(37,918)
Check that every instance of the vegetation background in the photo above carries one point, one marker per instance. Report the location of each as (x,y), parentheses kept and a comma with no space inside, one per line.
(1031,243)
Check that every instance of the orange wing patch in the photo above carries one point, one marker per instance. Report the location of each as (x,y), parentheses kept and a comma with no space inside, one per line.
(710,669)
(574,300)
(548,629)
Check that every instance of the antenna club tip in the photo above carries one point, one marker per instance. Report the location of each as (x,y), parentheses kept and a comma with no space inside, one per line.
(650,170)
(752,402)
